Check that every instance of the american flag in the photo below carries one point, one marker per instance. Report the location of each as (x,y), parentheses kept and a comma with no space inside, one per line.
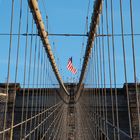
(70,67)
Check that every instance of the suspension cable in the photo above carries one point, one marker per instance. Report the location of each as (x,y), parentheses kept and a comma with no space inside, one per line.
(92,32)
(41,28)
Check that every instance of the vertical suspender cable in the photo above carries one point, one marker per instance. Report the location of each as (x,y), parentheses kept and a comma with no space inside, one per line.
(100,84)
(37,86)
(110,74)
(24,75)
(124,63)
(104,79)
(98,81)
(28,80)
(34,74)
(96,90)
(16,72)
(41,92)
(8,74)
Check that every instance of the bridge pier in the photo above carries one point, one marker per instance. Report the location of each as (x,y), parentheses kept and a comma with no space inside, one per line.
(133,109)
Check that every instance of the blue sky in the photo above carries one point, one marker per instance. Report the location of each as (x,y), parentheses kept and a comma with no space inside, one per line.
(67,17)
(64,17)
(70,17)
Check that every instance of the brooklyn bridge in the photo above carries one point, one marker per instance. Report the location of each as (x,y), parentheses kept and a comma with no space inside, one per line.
(95,96)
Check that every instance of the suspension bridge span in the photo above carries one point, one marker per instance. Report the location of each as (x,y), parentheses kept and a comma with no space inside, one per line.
(102,103)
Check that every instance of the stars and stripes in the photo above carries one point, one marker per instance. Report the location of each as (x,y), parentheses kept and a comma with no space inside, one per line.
(70,66)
